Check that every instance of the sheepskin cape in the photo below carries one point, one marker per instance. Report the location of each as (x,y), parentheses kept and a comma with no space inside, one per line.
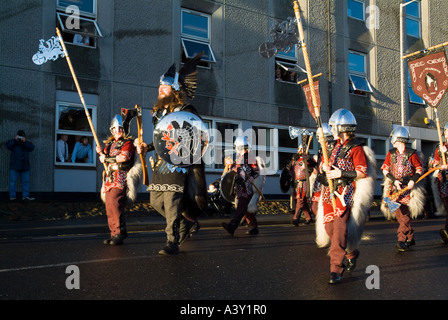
(133,179)
(362,202)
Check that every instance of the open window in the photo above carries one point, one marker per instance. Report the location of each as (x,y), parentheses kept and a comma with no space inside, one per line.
(359,84)
(286,66)
(196,36)
(77,22)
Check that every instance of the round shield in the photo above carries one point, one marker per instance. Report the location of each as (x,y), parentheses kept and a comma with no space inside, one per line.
(227,186)
(285,180)
(181,138)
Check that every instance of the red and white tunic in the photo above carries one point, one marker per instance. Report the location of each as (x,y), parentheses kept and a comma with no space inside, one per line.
(118,177)
(354,159)
(403,166)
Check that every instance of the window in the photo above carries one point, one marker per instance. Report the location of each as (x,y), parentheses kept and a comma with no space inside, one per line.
(413,98)
(78,26)
(355,9)
(222,136)
(71,122)
(286,67)
(413,19)
(196,36)
(264,142)
(357,74)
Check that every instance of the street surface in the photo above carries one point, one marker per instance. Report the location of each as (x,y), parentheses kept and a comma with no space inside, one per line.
(281,263)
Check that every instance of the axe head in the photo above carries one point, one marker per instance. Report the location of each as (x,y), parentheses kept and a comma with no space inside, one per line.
(393,206)
(297,132)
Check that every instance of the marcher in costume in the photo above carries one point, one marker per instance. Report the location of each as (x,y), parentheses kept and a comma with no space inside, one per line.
(402,168)
(249,183)
(177,193)
(317,177)
(124,173)
(352,168)
(439,184)
(300,168)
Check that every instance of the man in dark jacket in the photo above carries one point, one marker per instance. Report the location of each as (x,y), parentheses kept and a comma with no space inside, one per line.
(20,165)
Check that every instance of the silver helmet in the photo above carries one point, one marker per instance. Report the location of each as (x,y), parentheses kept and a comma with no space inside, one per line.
(342,120)
(116,123)
(327,132)
(400,134)
(170,78)
(242,143)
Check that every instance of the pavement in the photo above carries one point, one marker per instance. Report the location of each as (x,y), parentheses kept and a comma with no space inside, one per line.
(50,219)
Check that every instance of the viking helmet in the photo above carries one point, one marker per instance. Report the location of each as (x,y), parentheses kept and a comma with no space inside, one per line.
(186,79)
(116,123)
(327,132)
(342,120)
(170,78)
(242,143)
(400,134)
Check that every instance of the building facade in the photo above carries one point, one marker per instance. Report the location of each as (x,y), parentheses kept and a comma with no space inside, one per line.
(119,49)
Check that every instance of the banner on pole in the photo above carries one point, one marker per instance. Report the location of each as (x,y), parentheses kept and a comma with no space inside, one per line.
(429,76)
(309,100)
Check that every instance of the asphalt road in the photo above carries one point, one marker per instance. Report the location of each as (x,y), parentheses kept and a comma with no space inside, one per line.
(282,263)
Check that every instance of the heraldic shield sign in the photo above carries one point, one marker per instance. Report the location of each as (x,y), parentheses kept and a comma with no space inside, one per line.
(181,138)
(429,76)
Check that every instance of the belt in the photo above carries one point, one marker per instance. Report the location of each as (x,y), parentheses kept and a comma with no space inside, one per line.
(113,167)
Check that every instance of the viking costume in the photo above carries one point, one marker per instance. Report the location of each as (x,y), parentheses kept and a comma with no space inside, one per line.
(249,182)
(342,226)
(403,166)
(178,193)
(439,185)
(317,178)
(300,170)
(120,186)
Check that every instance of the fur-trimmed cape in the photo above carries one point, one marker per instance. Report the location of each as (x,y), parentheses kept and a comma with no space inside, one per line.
(133,179)
(416,203)
(362,202)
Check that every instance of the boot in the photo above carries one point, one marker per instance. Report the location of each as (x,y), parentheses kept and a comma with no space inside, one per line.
(170,249)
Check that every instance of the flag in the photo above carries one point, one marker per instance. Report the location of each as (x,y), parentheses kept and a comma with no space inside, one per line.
(309,99)
(429,76)
(48,50)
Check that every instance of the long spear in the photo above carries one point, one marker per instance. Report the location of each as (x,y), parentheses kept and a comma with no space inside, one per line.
(313,95)
(92,128)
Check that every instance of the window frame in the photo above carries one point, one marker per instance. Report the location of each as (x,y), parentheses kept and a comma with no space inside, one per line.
(412,18)
(363,11)
(213,166)
(85,13)
(89,134)
(83,16)
(289,64)
(360,74)
(205,41)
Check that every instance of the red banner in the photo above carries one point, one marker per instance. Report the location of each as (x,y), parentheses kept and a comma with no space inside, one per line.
(309,99)
(429,77)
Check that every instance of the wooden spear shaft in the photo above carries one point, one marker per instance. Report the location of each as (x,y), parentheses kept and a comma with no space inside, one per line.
(89,119)
(313,94)
(421,51)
